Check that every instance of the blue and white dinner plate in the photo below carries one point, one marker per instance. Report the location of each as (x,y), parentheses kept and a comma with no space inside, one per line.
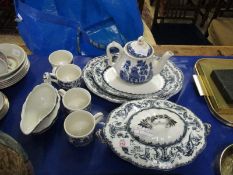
(93,87)
(155,134)
(162,86)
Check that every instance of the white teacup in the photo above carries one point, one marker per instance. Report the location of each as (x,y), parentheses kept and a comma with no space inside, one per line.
(66,76)
(80,125)
(60,57)
(75,99)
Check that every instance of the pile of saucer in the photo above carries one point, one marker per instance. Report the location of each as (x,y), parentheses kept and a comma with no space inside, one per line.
(4,105)
(102,79)
(40,109)
(14,64)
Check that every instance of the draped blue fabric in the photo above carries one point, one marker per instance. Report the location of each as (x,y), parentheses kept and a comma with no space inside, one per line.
(86,26)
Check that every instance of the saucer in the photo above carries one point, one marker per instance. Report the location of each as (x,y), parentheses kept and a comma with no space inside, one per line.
(161,86)
(93,87)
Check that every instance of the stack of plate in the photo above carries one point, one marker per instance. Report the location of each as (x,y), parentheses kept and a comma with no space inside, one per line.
(17,64)
(4,105)
(40,109)
(104,81)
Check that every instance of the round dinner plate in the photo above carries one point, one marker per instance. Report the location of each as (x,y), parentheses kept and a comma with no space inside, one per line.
(93,87)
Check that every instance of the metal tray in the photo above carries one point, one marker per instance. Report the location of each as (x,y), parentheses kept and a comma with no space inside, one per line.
(215,100)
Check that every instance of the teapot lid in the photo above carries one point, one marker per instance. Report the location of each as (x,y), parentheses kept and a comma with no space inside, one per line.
(139,48)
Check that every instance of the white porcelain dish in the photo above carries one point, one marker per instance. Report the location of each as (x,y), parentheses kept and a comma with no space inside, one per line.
(3,67)
(1,100)
(93,87)
(16,56)
(4,105)
(49,120)
(15,77)
(38,105)
(155,134)
(161,86)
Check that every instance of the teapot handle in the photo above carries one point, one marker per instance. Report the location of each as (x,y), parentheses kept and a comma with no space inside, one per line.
(109,55)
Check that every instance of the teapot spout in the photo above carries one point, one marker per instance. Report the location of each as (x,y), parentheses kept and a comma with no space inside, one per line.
(162,61)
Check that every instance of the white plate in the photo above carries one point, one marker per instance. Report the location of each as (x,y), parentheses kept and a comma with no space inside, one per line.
(155,134)
(162,86)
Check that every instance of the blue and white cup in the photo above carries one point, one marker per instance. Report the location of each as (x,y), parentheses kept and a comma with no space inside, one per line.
(75,99)
(79,127)
(66,76)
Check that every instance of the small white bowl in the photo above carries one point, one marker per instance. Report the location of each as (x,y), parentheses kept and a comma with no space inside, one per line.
(60,57)
(15,57)
(38,105)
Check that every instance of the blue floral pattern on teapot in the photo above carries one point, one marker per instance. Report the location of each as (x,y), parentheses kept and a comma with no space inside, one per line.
(136,62)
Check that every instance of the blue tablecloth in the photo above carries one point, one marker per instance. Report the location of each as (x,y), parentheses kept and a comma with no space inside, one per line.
(52,154)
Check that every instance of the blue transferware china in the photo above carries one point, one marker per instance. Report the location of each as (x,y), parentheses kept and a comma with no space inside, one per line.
(136,63)
(66,76)
(156,134)
(79,127)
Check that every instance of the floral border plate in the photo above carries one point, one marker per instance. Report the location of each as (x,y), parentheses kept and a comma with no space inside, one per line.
(172,78)
(155,134)
(93,87)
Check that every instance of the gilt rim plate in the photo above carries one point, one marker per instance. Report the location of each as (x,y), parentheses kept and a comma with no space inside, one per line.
(160,153)
(172,77)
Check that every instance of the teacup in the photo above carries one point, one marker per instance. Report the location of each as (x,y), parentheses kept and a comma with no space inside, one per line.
(60,57)
(80,125)
(66,76)
(76,99)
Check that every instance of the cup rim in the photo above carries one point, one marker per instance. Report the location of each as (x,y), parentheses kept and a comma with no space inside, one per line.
(57,51)
(68,65)
(73,113)
(80,89)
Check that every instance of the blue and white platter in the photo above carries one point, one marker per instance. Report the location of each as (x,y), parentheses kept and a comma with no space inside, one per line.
(156,134)
(93,87)
(162,86)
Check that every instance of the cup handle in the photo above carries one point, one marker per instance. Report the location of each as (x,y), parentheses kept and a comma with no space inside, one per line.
(49,77)
(98,117)
(54,70)
(109,55)
(61,92)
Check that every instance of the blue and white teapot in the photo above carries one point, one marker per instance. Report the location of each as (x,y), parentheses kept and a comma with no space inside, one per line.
(136,62)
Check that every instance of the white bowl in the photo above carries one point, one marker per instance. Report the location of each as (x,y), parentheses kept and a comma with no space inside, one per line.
(15,57)
(38,105)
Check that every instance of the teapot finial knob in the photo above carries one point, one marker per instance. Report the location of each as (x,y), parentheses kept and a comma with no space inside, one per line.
(141,40)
